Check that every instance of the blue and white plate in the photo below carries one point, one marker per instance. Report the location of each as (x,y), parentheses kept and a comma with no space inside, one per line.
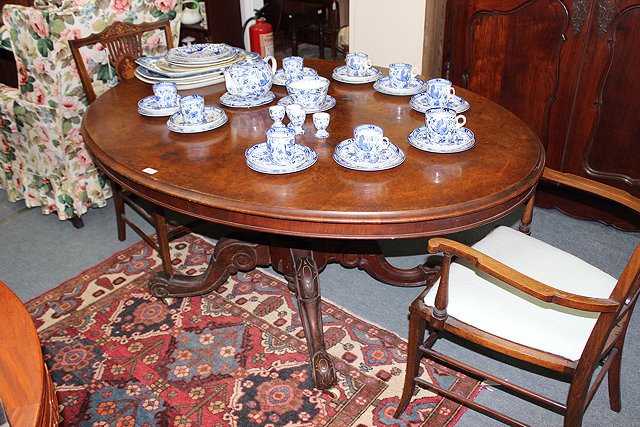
(383,85)
(237,101)
(346,155)
(340,74)
(463,141)
(149,107)
(201,53)
(280,79)
(214,117)
(259,160)
(419,102)
(329,102)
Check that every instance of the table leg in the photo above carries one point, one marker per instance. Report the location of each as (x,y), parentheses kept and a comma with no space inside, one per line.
(300,265)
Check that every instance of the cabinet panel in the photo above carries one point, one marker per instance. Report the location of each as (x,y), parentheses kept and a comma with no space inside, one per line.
(606,116)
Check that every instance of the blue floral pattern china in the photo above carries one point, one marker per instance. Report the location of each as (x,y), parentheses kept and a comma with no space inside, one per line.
(280,79)
(149,107)
(329,103)
(340,74)
(251,78)
(347,155)
(236,101)
(259,159)
(383,85)
(419,102)
(214,117)
(202,53)
(464,140)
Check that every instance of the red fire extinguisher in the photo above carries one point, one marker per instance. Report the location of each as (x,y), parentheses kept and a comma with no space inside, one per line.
(261,37)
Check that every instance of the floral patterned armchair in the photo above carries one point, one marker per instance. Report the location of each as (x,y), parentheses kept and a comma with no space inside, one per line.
(43,157)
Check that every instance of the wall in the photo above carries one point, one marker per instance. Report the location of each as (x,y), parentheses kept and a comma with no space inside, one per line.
(388,30)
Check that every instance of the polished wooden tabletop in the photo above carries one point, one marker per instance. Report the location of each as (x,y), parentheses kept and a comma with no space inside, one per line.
(205,174)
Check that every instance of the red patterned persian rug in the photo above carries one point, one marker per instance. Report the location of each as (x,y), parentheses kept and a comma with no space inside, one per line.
(235,357)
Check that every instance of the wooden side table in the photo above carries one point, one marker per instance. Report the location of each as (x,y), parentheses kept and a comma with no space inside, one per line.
(26,389)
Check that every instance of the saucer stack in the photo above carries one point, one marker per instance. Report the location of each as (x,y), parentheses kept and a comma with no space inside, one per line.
(346,155)
(340,74)
(214,117)
(191,66)
(259,159)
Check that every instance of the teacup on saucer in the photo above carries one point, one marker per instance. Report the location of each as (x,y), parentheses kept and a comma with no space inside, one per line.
(149,107)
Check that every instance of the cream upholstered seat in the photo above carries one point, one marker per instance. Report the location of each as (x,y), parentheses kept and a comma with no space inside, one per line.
(528,300)
(479,299)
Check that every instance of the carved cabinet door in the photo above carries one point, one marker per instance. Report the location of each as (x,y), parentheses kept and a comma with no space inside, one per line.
(569,69)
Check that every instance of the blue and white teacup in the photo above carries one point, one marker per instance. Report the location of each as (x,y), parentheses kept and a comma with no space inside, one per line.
(166,94)
(192,109)
(439,92)
(293,67)
(442,124)
(310,92)
(369,141)
(400,74)
(280,142)
(358,64)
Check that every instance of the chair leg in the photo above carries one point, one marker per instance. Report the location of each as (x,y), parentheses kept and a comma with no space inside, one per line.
(417,326)
(613,381)
(160,223)
(118,202)
(76,221)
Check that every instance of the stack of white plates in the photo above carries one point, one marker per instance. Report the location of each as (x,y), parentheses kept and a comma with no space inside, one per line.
(191,66)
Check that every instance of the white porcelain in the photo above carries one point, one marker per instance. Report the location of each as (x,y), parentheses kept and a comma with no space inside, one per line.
(439,92)
(419,102)
(400,74)
(329,103)
(321,122)
(463,140)
(346,155)
(192,109)
(280,79)
(250,78)
(190,16)
(259,159)
(280,143)
(383,85)
(370,141)
(236,101)
(149,107)
(358,64)
(441,125)
(340,74)
(194,82)
(293,67)
(200,53)
(166,94)
(309,92)
(297,116)
(277,112)
(214,117)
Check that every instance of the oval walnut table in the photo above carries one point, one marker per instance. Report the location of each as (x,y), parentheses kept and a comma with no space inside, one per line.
(323,214)
(26,390)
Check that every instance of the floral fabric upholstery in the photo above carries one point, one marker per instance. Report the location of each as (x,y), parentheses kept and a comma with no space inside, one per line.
(43,157)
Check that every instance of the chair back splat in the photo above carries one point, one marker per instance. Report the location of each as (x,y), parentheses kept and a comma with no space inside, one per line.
(512,294)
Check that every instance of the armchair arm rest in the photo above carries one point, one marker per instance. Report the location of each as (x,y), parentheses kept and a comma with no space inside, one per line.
(593,187)
(518,280)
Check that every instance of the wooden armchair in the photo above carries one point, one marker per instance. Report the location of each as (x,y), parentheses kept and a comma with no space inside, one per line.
(530,301)
(123,41)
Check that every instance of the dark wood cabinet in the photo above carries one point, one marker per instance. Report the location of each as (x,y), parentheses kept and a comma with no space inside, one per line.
(569,69)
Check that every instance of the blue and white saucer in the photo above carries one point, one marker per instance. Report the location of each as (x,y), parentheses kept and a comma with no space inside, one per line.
(259,160)
(383,85)
(280,79)
(463,141)
(420,102)
(236,101)
(149,107)
(329,102)
(346,155)
(214,117)
(340,74)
